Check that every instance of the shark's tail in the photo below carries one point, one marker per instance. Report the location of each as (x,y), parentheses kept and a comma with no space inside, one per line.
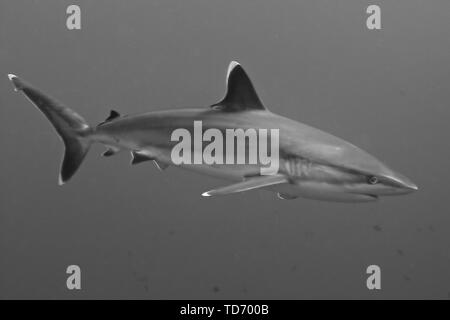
(71,127)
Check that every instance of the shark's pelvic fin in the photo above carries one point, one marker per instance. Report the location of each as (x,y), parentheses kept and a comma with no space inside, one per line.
(241,94)
(160,165)
(138,157)
(250,184)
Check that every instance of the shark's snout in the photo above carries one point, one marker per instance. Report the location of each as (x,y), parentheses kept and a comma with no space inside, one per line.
(402,184)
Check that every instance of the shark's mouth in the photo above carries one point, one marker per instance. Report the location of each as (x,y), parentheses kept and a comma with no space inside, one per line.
(366,196)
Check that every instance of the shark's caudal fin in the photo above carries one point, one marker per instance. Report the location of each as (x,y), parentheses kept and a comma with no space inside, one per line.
(70,126)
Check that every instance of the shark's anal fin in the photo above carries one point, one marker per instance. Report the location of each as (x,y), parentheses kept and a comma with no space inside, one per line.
(110,152)
(240,94)
(284,196)
(138,157)
(249,184)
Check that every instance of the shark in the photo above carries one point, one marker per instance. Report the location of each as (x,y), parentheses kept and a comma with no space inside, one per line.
(313,164)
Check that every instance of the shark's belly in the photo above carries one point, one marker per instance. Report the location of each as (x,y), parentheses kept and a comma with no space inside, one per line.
(230,172)
(309,181)
(317,191)
(234,172)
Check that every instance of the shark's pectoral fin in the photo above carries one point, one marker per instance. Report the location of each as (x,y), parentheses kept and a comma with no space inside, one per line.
(138,157)
(241,94)
(285,196)
(249,184)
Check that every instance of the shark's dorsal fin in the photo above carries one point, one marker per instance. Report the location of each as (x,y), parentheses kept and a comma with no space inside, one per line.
(241,94)
(250,184)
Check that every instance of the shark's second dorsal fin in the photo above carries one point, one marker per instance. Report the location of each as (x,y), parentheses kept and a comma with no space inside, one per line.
(241,94)
(113,114)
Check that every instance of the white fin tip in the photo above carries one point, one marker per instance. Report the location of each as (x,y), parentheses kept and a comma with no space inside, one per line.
(60,181)
(233,64)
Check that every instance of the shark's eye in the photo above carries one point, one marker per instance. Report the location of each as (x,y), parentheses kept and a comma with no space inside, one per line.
(372,180)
